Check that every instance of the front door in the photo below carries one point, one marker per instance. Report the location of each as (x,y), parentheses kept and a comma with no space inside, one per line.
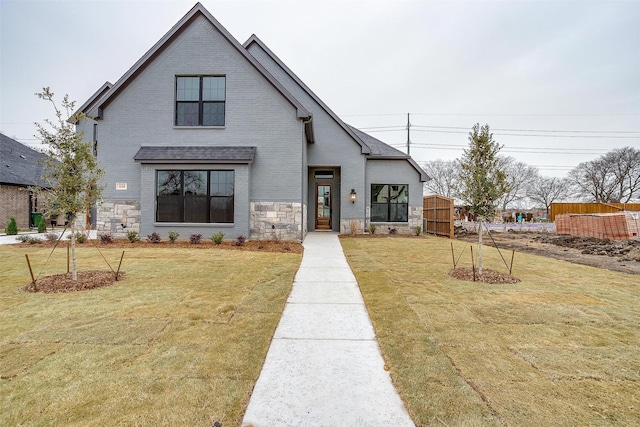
(323,206)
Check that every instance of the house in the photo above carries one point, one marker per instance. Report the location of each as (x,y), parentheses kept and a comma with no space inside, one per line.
(20,168)
(204,134)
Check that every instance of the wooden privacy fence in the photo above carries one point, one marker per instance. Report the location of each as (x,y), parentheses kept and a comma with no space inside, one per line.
(437,215)
(590,208)
(622,225)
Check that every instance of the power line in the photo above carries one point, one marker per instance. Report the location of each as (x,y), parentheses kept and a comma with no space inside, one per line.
(532,130)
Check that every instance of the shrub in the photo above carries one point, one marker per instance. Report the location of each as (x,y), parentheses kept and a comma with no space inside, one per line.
(240,240)
(173,236)
(25,238)
(106,238)
(393,230)
(133,236)
(51,237)
(12,228)
(80,237)
(372,229)
(217,238)
(153,238)
(194,239)
(418,230)
(42,225)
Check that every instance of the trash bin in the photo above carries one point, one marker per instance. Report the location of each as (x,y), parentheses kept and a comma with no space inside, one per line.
(36,217)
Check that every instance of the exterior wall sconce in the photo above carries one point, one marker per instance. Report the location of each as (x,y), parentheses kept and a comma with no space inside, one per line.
(353,195)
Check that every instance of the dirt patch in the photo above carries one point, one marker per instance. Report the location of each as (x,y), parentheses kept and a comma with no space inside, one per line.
(487,276)
(60,283)
(615,255)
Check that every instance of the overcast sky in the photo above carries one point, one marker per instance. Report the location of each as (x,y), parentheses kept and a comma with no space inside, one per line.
(557,81)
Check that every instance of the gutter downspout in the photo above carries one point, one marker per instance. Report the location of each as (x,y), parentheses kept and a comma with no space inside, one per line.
(303,166)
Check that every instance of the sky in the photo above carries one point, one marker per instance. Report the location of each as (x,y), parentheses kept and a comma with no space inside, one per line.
(558,82)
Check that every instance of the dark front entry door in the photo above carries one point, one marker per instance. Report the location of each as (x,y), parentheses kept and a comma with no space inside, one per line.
(323,206)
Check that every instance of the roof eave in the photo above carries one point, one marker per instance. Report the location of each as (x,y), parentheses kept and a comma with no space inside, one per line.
(157,48)
(365,149)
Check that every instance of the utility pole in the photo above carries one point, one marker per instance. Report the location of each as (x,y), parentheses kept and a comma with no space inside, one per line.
(408,135)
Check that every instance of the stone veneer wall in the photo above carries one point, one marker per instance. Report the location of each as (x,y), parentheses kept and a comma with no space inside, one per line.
(276,221)
(346,226)
(113,213)
(415,219)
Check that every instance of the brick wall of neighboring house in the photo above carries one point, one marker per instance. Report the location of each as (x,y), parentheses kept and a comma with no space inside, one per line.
(14,202)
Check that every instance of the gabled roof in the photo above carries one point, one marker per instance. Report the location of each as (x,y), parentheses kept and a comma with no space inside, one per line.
(19,164)
(158,48)
(254,39)
(382,151)
(106,87)
(195,154)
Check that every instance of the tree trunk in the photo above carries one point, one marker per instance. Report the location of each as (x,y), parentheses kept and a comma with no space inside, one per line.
(74,270)
(480,221)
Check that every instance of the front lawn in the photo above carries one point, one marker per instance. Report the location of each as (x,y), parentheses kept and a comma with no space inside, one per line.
(180,341)
(559,348)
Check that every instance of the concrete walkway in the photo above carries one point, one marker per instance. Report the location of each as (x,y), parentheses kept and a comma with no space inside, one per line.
(324,366)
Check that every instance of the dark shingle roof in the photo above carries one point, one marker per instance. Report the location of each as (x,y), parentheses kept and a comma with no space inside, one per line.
(180,154)
(19,164)
(378,148)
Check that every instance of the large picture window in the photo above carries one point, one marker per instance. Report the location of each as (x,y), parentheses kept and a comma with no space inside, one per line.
(389,202)
(194,196)
(200,101)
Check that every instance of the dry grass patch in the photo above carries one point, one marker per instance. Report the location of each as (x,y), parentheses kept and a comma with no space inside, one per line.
(180,341)
(558,348)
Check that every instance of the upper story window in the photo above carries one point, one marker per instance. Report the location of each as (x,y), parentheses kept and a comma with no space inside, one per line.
(200,101)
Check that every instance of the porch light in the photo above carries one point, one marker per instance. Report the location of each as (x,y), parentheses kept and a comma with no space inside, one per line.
(353,195)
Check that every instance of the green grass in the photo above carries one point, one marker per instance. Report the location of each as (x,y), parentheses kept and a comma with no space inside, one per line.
(180,341)
(559,348)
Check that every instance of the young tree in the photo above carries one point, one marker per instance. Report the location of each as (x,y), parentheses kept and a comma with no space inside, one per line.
(481,180)
(71,171)
(443,176)
(547,190)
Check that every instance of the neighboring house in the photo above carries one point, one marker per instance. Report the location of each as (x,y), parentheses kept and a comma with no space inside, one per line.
(20,168)
(204,134)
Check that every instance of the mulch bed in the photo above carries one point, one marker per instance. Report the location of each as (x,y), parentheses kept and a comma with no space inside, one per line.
(64,283)
(487,276)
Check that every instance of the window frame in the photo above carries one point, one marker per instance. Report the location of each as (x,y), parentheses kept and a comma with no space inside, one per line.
(390,204)
(201,102)
(182,198)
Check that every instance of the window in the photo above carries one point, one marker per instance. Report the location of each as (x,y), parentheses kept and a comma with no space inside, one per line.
(195,196)
(95,140)
(200,101)
(389,202)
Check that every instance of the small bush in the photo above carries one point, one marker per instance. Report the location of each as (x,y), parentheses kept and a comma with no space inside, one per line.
(153,238)
(393,230)
(133,236)
(217,238)
(12,228)
(372,229)
(42,226)
(418,230)
(173,236)
(80,237)
(194,239)
(25,238)
(240,240)
(106,238)
(51,237)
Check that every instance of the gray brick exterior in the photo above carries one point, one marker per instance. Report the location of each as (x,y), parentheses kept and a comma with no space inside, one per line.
(272,193)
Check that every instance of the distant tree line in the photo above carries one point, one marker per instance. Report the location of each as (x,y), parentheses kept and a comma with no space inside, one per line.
(612,178)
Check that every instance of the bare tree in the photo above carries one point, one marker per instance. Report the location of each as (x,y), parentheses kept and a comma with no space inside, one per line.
(547,190)
(613,177)
(520,177)
(444,174)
